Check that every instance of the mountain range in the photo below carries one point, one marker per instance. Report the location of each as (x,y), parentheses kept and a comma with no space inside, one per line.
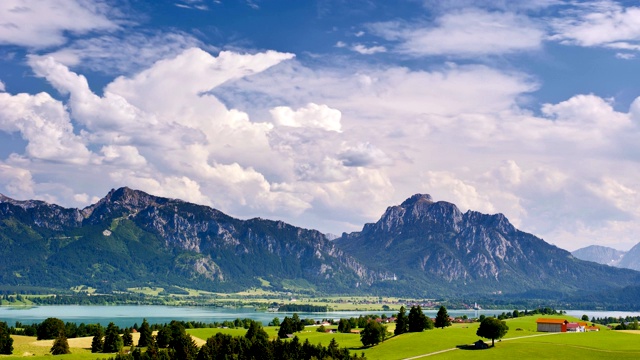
(609,256)
(418,248)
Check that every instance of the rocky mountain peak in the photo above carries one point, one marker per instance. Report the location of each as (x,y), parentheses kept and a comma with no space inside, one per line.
(417,198)
(120,202)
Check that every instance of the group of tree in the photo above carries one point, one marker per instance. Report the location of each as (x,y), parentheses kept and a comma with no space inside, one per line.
(417,321)
(108,342)
(290,325)
(172,342)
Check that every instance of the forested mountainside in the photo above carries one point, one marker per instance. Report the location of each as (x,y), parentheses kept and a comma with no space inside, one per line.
(131,238)
(420,248)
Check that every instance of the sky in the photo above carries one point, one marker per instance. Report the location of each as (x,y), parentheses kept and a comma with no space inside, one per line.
(322,113)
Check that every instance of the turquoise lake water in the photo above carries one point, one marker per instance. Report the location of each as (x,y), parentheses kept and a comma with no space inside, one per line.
(127,315)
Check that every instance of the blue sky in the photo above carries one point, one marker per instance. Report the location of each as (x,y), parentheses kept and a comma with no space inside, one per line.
(323,113)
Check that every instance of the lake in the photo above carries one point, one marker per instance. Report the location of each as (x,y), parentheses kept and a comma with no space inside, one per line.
(127,315)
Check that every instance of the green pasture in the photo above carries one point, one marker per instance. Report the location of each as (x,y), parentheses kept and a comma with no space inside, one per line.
(521,344)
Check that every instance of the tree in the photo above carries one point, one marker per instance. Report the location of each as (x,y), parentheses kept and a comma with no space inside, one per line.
(6,342)
(442,319)
(297,323)
(127,338)
(275,322)
(96,342)
(373,333)
(256,333)
(60,345)
(585,317)
(418,321)
(492,328)
(50,329)
(164,337)
(286,328)
(344,326)
(145,334)
(402,322)
(112,341)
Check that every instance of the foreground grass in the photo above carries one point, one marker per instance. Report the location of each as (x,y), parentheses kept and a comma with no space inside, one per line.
(522,344)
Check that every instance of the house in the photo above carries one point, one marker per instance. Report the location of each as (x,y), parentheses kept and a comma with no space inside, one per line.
(592,328)
(552,325)
(574,327)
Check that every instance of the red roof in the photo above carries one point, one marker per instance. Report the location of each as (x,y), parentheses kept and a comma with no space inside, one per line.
(551,321)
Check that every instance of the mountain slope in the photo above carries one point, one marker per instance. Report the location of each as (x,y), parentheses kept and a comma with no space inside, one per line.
(130,237)
(434,248)
(600,254)
(631,259)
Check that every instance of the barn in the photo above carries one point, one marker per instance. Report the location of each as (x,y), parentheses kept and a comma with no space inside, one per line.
(552,325)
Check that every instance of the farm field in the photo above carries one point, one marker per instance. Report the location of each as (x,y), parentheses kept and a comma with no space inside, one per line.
(522,342)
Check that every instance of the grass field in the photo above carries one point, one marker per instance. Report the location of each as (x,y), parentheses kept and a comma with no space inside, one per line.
(521,344)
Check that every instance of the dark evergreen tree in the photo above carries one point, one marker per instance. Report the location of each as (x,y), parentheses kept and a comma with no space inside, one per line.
(442,319)
(145,334)
(297,323)
(112,341)
(402,322)
(256,333)
(418,321)
(373,333)
(50,329)
(164,337)
(6,342)
(127,338)
(96,342)
(492,328)
(60,345)
(286,328)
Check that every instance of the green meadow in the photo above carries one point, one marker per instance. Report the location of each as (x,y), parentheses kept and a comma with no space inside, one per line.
(521,342)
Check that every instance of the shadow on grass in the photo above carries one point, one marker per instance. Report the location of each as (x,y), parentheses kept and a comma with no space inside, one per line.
(473,347)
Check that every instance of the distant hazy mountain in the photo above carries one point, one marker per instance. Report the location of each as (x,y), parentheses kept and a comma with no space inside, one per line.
(433,246)
(631,259)
(600,254)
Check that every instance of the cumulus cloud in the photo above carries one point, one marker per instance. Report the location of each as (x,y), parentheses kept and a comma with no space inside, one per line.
(312,116)
(2,86)
(41,24)
(364,155)
(44,123)
(16,181)
(464,33)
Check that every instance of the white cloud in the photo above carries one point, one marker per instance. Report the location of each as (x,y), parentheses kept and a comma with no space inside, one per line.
(16,181)
(40,24)
(364,50)
(313,116)
(464,33)
(364,155)
(2,86)
(44,123)
(625,56)
(599,23)
(123,54)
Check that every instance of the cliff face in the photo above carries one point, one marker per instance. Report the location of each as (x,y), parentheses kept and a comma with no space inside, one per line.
(130,234)
(435,245)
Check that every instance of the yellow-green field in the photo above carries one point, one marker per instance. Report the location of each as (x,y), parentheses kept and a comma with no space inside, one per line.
(522,342)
